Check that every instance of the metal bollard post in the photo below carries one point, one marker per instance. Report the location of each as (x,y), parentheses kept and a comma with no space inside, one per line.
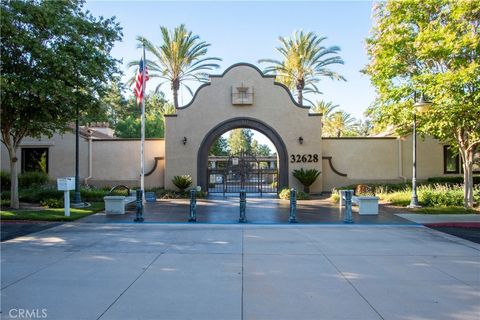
(293,206)
(139,202)
(348,206)
(341,203)
(243,207)
(193,206)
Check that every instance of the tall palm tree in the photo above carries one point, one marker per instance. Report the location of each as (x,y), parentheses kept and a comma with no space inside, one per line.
(305,61)
(323,107)
(180,58)
(326,109)
(339,123)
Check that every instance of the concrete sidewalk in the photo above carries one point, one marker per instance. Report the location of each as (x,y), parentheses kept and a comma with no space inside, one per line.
(440,218)
(181,271)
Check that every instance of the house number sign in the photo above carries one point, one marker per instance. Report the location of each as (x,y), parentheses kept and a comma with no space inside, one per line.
(303,158)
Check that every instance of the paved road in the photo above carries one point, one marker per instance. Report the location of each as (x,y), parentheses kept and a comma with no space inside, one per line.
(14,229)
(181,271)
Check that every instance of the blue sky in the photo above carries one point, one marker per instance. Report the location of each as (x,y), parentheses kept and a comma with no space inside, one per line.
(248,31)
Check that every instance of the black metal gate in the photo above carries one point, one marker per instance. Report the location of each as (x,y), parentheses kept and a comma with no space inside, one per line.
(242,171)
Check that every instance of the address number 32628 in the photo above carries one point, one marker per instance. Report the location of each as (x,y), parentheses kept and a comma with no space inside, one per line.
(303,158)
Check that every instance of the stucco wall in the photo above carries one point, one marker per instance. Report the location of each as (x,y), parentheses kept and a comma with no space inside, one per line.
(114,161)
(118,162)
(61,155)
(212,105)
(380,160)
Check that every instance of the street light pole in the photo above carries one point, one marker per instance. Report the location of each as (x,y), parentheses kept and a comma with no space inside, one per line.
(77,201)
(414,200)
(421,106)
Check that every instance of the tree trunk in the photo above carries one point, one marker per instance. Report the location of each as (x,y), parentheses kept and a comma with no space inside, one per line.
(300,86)
(14,203)
(175,87)
(467,157)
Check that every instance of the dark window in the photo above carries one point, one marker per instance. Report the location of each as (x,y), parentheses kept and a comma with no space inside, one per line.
(35,159)
(451,161)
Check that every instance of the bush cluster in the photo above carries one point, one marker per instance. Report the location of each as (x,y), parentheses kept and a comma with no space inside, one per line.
(440,196)
(36,194)
(25,180)
(163,193)
(452,180)
(31,179)
(5,181)
(52,203)
(429,195)
(182,182)
(306,177)
(285,195)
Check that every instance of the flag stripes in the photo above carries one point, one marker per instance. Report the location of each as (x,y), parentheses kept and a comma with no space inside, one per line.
(139,90)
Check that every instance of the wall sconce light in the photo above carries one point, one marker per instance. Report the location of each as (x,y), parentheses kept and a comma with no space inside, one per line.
(300,140)
(184,140)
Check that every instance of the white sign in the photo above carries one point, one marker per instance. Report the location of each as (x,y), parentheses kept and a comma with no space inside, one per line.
(65,184)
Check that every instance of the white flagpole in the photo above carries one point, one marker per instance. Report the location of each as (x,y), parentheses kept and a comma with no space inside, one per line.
(142,157)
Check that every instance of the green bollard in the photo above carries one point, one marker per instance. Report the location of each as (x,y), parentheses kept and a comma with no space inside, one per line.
(293,206)
(243,207)
(139,203)
(193,206)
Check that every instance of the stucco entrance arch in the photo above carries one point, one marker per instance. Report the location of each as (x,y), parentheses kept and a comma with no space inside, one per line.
(248,123)
(242,97)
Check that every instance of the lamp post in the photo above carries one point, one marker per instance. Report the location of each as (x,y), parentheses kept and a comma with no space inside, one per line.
(77,200)
(420,106)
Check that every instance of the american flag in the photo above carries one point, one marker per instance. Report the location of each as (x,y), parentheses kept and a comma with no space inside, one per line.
(139,81)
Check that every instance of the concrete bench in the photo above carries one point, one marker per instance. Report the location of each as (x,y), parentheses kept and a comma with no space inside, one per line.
(117,204)
(366,205)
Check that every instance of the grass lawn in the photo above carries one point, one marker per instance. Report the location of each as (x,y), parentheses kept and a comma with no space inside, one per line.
(52,214)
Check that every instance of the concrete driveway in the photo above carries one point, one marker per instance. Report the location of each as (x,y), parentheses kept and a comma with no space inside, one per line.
(181,271)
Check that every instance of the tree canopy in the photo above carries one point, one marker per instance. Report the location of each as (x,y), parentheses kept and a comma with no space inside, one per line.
(431,47)
(54,57)
(240,140)
(305,60)
(156,106)
(180,58)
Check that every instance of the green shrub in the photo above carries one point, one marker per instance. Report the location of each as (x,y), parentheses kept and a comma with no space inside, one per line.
(397,198)
(440,196)
(453,180)
(35,195)
(52,203)
(335,197)
(306,177)
(285,195)
(32,178)
(94,195)
(5,195)
(162,193)
(182,182)
(5,180)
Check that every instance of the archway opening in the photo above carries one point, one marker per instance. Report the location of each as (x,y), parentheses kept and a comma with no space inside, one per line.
(261,174)
(243,159)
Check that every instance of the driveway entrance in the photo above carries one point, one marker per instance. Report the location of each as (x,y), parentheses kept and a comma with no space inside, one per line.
(242,171)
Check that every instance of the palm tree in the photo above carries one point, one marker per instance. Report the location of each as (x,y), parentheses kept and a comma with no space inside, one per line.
(180,58)
(339,123)
(305,61)
(325,108)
